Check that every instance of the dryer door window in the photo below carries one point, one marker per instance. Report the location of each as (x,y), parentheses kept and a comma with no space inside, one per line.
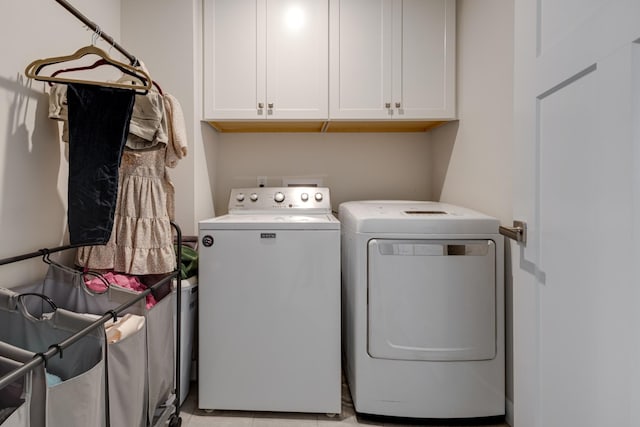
(432,299)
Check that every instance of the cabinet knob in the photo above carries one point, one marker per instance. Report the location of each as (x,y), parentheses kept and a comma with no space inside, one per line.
(270,105)
(397,105)
(261,105)
(387,105)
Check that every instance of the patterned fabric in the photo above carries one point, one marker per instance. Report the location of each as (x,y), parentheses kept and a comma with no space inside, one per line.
(141,241)
(177,128)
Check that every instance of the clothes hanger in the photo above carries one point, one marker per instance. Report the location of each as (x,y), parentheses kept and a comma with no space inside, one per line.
(97,64)
(143,77)
(124,79)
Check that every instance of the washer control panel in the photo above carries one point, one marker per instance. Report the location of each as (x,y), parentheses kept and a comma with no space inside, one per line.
(280,198)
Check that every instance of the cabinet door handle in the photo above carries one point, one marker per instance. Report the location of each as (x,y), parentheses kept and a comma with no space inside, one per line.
(270,105)
(397,105)
(261,105)
(387,105)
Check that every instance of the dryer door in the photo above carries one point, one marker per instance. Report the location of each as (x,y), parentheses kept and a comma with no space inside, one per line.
(432,299)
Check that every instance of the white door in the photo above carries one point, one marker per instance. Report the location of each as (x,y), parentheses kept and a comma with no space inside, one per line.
(577,175)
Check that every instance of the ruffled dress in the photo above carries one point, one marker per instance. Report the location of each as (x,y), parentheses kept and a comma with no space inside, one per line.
(142,240)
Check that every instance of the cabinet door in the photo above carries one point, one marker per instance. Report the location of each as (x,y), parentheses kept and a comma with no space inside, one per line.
(424,59)
(360,59)
(234,75)
(392,59)
(297,59)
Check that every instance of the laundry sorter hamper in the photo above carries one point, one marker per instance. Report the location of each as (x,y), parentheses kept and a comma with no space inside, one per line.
(67,391)
(15,398)
(140,370)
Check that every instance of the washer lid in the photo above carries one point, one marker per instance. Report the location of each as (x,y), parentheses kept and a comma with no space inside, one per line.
(271,222)
(416,217)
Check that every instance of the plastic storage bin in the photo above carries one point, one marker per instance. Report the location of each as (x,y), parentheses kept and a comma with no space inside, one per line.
(188,312)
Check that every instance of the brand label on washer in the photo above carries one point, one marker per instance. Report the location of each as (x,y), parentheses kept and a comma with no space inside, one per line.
(207,240)
(267,235)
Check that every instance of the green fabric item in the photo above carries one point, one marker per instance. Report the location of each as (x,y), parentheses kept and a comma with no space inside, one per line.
(189,262)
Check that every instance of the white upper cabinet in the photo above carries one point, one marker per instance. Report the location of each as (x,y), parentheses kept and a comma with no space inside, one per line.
(266,59)
(392,59)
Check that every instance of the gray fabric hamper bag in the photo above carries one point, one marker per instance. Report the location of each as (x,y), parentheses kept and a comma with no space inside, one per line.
(140,372)
(37,413)
(77,398)
(15,399)
(127,380)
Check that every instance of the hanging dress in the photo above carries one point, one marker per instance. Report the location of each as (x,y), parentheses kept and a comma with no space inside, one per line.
(142,241)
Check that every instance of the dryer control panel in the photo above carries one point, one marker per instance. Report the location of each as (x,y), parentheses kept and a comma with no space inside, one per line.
(270,199)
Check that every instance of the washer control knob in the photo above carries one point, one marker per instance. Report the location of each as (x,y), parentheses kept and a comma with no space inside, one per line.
(304,197)
(278,197)
(253,197)
(240,197)
(318,197)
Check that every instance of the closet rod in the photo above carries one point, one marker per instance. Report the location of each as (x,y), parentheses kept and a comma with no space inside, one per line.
(40,252)
(75,12)
(46,251)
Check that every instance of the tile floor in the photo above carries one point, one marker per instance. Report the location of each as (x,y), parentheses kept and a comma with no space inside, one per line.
(194,417)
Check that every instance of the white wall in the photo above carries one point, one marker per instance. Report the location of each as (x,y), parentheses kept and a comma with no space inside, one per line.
(33,167)
(472,157)
(166,36)
(355,166)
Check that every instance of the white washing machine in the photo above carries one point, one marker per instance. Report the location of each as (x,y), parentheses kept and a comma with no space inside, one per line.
(269,303)
(423,309)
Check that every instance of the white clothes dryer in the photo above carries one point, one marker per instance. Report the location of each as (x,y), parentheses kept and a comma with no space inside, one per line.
(269,303)
(423,309)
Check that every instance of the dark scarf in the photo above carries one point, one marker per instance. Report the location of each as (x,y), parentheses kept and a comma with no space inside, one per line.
(98,127)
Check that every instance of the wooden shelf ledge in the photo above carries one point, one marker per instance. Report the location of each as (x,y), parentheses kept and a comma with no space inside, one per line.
(330,126)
